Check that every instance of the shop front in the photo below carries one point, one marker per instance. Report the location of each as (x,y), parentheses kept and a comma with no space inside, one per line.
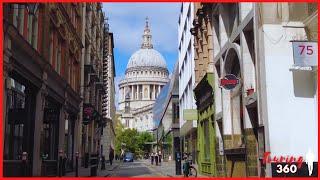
(19,126)
(206,158)
(49,137)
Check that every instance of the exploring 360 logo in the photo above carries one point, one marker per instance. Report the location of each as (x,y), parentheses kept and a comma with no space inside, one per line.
(289,165)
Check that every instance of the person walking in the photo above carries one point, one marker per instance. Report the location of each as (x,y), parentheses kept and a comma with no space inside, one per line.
(152,158)
(160,156)
(111,155)
(156,158)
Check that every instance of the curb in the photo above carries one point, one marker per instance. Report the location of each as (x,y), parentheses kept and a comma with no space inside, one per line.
(109,174)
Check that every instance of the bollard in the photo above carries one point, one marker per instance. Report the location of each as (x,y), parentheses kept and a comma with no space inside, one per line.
(60,163)
(24,162)
(77,165)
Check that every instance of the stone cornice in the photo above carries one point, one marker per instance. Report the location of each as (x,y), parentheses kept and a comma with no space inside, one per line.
(136,81)
(134,69)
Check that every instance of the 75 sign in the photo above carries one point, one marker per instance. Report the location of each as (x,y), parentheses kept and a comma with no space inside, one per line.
(305,53)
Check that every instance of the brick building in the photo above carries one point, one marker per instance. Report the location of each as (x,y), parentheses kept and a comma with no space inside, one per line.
(237,126)
(53,85)
(42,52)
(92,82)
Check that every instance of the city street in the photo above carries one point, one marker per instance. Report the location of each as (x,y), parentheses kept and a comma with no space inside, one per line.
(138,168)
(182,89)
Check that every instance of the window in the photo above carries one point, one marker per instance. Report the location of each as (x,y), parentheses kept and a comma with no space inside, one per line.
(50,131)
(59,55)
(127,122)
(206,134)
(15,124)
(51,45)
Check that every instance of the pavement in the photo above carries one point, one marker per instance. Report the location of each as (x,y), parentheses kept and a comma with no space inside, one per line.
(85,172)
(138,168)
(134,169)
(167,169)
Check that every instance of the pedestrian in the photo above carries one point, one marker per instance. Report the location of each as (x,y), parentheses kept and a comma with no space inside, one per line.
(160,156)
(111,155)
(156,158)
(152,158)
(64,164)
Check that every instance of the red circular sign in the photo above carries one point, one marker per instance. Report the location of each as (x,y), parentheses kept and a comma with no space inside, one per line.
(229,81)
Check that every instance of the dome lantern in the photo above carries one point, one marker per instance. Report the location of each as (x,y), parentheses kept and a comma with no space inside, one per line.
(147,37)
(146,56)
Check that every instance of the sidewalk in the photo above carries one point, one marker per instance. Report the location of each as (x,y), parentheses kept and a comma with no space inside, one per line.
(85,172)
(166,168)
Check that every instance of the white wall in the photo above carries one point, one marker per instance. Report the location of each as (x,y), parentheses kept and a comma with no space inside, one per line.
(291,105)
(186,61)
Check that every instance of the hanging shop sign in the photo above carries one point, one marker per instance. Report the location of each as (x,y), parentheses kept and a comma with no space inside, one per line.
(88,112)
(190,114)
(305,53)
(229,81)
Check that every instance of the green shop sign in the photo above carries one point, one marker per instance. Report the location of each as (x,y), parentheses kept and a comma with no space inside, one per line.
(190,114)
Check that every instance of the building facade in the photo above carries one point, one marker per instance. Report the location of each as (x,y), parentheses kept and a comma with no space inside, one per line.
(54,86)
(42,52)
(145,75)
(108,104)
(253,42)
(297,23)
(93,84)
(203,90)
(188,126)
(166,118)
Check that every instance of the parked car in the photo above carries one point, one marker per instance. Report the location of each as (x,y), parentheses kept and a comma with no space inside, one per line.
(128,157)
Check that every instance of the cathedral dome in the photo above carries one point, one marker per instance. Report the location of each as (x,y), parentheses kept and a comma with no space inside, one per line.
(147,58)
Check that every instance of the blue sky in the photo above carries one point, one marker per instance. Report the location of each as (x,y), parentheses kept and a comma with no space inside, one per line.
(127,21)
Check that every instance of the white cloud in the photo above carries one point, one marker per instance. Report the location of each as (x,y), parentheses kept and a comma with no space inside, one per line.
(127,21)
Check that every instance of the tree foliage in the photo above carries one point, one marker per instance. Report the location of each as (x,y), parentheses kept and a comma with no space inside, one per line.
(133,140)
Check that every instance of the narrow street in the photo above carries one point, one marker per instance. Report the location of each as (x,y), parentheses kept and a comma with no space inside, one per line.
(182,89)
(137,168)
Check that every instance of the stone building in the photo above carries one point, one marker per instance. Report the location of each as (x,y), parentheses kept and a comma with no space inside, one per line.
(145,75)
(41,57)
(166,118)
(254,43)
(108,104)
(188,125)
(203,90)
(275,62)
(93,85)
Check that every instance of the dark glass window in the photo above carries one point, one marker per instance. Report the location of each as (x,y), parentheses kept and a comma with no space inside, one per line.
(15,121)
(50,131)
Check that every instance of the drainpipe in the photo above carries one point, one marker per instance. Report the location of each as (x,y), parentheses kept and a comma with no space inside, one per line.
(82,77)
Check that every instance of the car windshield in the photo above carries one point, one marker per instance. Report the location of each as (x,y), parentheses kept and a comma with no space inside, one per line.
(129,155)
